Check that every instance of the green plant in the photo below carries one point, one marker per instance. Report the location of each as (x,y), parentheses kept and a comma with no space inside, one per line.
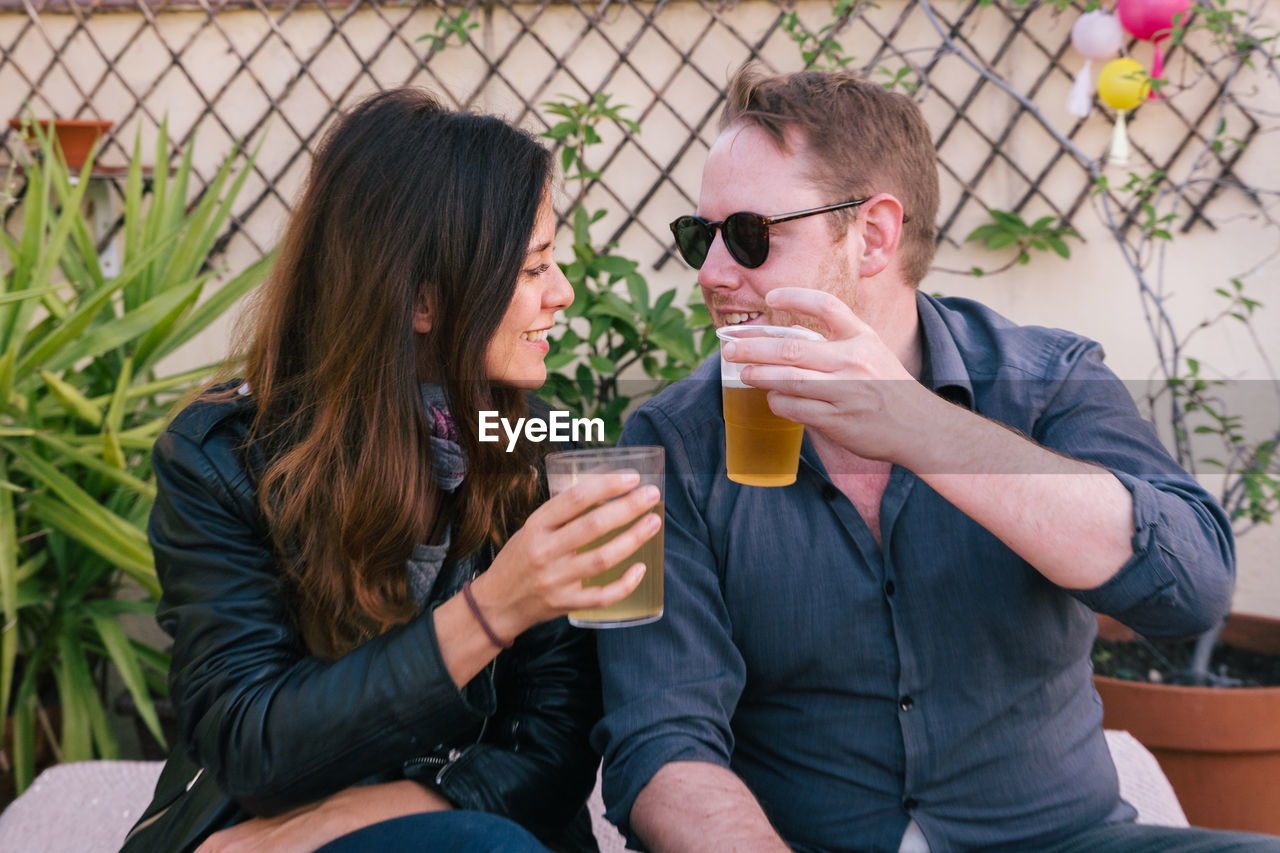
(81,401)
(618,327)
(458,27)
(819,49)
(1007,229)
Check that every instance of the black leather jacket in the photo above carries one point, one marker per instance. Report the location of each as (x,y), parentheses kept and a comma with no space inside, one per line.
(265,727)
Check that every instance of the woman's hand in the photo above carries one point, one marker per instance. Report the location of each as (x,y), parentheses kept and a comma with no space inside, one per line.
(309,827)
(538,574)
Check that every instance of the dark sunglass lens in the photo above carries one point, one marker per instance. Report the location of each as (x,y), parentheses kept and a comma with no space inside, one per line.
(747,238)
(693,239)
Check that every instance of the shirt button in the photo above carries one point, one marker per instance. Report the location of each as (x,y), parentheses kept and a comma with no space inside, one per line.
(829,492)
(910,804)
(906,703)
(889,588)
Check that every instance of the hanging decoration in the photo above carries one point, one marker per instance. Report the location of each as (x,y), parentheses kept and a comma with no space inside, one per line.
(1122,84)
(1096,35)
(1151,20)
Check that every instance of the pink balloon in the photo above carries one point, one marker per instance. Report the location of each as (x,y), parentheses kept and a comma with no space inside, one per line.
(1144,18)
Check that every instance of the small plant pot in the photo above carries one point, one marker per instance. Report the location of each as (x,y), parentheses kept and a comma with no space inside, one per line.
(1219,746)
(75,135)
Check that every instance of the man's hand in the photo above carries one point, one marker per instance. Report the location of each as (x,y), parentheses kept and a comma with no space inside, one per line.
(1071,520)
(851,386)
(309,827)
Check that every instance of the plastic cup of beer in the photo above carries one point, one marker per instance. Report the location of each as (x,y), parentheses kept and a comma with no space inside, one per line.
(570,467)
(761,449)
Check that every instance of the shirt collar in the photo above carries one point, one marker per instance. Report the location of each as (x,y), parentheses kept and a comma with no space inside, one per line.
(943,370)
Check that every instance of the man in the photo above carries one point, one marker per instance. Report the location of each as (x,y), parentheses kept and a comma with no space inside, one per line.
(893,652)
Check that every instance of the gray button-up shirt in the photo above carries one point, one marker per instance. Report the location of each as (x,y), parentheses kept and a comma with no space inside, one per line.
(937,677)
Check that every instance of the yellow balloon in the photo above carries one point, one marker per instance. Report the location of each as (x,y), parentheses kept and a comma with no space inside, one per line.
(1123,83)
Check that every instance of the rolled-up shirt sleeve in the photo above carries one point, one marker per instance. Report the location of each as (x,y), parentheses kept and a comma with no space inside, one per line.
(670,687)
(1180,576)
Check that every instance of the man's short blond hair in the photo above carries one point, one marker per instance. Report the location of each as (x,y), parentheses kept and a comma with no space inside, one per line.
(862,140)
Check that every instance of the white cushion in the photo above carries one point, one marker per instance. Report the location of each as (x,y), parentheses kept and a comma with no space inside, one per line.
(82,807)
(1142,783)
(88,807)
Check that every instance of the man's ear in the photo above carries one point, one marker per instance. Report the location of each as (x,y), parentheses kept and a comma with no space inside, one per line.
(422,317)
(881,233)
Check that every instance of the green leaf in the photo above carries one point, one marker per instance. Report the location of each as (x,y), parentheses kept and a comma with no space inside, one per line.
(73,454)
(673,372)
(602,365)
(612,412)
(70,398)
(638,288)
(126,662)
(75,696)
(115,411)
(1011,221)
(569,339)
(29,293)
(616,266)
(72,329)
(586,383)
(217,304)
(678,347)
(8,592)
(76,511)
(984,233)
(24,735)
(108,542)
(1001,240)
(115,333)
(560,131)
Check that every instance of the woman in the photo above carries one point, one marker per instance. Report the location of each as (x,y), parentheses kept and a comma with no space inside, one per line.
(364,598)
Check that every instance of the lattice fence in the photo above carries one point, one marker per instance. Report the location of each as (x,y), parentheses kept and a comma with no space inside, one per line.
(228,72)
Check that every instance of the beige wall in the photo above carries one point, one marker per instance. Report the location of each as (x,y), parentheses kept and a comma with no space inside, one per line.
(1094,293)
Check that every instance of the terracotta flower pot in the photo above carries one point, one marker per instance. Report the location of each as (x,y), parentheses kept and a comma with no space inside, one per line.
(75,135)
(1219,746)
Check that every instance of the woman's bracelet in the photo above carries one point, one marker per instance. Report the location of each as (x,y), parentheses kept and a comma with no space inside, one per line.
(475,609)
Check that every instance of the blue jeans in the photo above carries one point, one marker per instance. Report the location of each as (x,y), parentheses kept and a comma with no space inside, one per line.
(455,831)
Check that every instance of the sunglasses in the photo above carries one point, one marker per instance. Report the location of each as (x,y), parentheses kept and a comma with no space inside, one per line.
(746,235)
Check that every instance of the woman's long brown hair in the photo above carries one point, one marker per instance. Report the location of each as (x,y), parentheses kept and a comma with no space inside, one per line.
(408,204)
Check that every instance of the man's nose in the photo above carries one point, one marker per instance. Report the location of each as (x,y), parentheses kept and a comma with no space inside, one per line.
(720,271)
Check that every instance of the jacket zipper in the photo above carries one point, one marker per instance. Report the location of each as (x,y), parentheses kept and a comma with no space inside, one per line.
(155,817)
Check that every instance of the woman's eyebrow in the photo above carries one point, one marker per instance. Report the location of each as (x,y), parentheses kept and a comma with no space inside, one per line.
(537,250)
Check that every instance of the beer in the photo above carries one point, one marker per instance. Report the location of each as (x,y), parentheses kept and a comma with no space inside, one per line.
(762,449)
(644,604)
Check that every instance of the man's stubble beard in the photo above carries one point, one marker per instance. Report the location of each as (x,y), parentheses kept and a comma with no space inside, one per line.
(835,276)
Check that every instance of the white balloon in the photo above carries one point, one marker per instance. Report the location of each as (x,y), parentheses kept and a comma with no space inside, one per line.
(1097,35)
